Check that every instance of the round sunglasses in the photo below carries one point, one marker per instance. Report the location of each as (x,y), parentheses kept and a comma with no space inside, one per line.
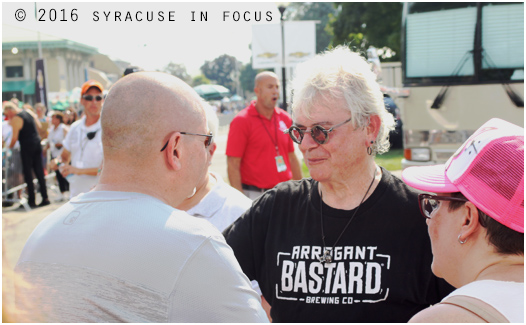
(318,133)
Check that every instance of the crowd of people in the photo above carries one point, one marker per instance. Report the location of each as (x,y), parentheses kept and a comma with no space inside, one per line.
(31,129)
(152,235)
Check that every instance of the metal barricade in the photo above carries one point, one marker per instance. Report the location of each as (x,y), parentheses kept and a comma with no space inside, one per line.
(13,184)
(12,176)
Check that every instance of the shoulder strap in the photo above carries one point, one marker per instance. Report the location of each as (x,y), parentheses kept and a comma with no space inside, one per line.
(477,307)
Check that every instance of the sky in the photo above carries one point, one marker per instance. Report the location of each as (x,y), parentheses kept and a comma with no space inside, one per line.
(181,32)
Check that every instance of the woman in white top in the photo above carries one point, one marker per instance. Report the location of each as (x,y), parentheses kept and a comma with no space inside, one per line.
(57,134)
(476,226)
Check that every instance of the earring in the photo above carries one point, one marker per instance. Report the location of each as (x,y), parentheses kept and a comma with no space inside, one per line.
(370,149)
(461,241)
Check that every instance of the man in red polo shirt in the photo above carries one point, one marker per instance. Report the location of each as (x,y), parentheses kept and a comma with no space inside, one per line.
(259,154)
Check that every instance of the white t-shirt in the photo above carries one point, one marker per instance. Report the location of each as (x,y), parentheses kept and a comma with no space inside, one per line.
(506,297)
(7,134)
(222,205)
(56,135)
(85,153)
(128,257)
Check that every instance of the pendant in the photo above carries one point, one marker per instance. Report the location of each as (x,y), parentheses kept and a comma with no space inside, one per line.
(326,257)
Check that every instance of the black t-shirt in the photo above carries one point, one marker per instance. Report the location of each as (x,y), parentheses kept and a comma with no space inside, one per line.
(28,135)
(381,269)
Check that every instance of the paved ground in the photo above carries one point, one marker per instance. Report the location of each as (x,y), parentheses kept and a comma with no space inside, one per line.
(17,224)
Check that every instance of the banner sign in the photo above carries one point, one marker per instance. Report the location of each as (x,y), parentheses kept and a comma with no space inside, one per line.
(40,83)
(300,44)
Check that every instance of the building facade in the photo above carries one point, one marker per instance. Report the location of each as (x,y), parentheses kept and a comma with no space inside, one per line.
(66,63)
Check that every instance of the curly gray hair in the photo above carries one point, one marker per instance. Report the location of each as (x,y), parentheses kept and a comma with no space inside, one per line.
(341,73)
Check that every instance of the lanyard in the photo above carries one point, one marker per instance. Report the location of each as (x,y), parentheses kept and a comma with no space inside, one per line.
(84,140)
(268,132)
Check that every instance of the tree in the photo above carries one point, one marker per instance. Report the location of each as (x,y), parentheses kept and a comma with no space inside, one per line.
(178,70)
(221,70)
(200,80)
(313,11)
(247,76)
(364,24)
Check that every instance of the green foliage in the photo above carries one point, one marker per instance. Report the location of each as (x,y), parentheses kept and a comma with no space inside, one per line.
(391,160)
(313,11)
(364,24)
(200,80)
(247,77)
(221,70)
(178,70)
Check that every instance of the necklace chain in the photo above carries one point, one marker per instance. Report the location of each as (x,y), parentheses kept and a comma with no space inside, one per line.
(327,254)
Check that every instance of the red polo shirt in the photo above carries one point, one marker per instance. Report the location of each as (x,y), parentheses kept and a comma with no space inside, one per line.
(252,137)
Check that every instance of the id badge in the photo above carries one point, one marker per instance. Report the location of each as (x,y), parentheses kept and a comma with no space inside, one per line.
(280,164)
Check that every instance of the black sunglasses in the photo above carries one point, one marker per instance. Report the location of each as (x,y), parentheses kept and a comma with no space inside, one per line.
(89,98)
(208,139)
(91,135)
(318,133)
(429,203)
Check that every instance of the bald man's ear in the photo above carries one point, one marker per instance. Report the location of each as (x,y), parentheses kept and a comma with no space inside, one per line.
(172,152)
(212,149)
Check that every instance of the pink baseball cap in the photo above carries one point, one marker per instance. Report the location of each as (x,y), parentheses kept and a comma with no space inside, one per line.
(488,169)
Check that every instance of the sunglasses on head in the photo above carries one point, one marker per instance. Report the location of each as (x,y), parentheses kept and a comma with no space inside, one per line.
(89,98)
(318,133)
(208,139)
(429,203)
(91,135)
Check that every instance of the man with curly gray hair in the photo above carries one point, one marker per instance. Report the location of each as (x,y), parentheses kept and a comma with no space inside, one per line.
(347,244)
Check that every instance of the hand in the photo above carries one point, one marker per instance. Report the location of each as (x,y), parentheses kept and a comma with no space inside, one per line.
(58,145)
(53,164)
(65,170)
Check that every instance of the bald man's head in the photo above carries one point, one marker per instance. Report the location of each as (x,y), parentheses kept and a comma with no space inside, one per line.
(142,109)
(263,75)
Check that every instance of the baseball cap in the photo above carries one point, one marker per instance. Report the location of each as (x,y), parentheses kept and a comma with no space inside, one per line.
(488,169)
(90,83)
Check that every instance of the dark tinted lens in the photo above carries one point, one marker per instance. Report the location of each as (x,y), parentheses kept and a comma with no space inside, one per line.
(428,206)
(296,135)
(319,134)
(89,98)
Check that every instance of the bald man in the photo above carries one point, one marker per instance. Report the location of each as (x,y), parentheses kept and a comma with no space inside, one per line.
(122,252)
(259,154)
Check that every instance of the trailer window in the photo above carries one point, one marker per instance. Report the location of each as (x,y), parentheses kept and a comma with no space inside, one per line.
(438,41)
(503,36)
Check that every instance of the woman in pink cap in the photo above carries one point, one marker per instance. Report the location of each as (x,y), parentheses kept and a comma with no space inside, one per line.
(476,225)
